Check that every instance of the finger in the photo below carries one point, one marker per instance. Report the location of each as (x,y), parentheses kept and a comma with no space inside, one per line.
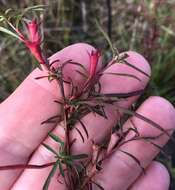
(36,178)
(156,178)
(98,127)
(33,102)
(124,168)
(94,124)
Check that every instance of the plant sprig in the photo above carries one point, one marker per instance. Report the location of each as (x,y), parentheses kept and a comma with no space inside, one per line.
(81,101)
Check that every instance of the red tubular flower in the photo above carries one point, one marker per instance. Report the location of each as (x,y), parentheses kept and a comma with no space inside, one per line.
(32,28)
(94,58)
(34,40)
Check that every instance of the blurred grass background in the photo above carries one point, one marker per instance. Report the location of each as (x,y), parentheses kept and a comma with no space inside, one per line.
(146,26)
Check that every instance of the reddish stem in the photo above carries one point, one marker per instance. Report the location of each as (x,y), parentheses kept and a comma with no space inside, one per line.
(24,166)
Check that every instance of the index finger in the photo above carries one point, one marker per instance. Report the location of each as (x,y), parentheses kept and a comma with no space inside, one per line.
(32,103)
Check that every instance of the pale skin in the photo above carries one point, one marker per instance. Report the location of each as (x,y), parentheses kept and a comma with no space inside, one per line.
(32,102)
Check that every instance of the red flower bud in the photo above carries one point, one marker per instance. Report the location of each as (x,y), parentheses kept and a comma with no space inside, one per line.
(94,58)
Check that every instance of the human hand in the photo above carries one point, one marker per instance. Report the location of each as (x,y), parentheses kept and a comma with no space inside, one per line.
(21,132)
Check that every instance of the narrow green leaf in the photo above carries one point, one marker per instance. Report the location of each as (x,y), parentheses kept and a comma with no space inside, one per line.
(79,133)
(98,185)
(160,149)
(102,112)
(74,63)
(134,158)
(97,110)
(50,149)
(84,127)
(168,30)
(56,138)
(48,180)
(120,95)
(77,172)
(69,162)
(123,74)
(82,74)
(18,19)
(147,120)
(52,119)
(61,169)
(79,156)
(2,29)
(136,68)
